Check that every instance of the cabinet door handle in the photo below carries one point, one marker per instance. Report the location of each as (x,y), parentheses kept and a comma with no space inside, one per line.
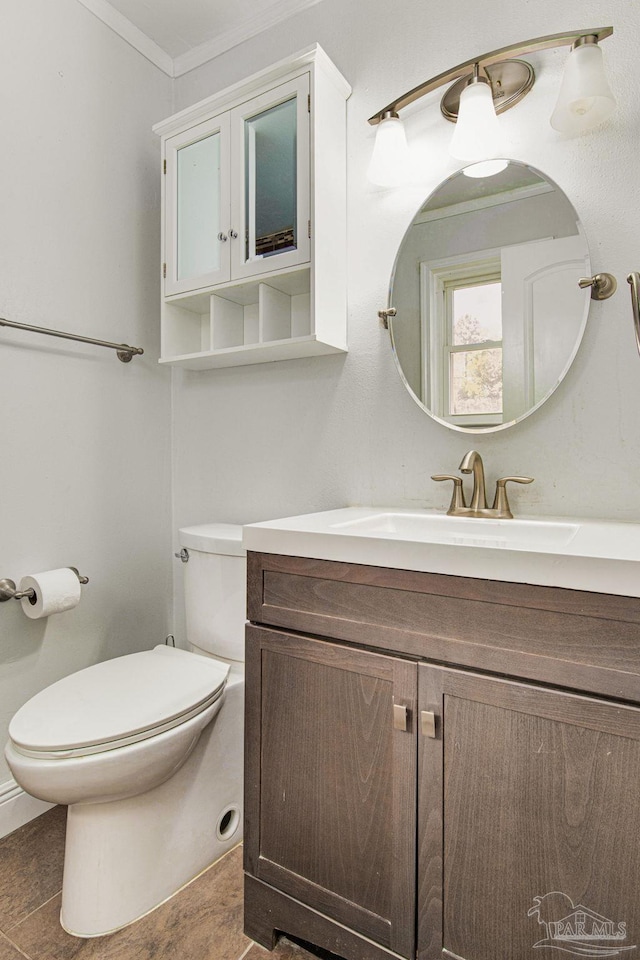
(400,717)
(233,234)
(428,723)
(222,237)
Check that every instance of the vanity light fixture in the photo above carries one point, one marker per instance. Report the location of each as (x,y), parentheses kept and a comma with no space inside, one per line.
(488,85)
(585,98)
(477,137)
(390,160)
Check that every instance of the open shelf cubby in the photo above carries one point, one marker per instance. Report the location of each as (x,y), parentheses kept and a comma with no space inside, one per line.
(250,322)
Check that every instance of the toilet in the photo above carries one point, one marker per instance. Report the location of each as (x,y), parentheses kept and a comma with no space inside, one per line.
(146,750)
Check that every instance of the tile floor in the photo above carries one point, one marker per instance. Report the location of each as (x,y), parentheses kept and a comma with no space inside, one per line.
(202,922)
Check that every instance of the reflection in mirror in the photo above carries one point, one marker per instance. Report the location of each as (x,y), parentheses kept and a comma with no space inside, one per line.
(270,181)
(489,313)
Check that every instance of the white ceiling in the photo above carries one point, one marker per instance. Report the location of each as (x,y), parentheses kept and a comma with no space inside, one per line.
(178,35)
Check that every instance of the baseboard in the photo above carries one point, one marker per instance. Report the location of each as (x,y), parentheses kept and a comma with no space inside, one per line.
(17,807)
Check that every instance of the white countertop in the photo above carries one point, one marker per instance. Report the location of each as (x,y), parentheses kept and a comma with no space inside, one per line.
(595,555)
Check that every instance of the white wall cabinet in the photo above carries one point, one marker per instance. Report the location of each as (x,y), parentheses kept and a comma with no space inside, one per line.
(254,219)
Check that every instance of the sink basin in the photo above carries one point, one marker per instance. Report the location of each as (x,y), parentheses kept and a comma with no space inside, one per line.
(595,555)
(480,532)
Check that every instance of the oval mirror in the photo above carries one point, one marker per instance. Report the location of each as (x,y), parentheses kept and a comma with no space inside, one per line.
(489,314)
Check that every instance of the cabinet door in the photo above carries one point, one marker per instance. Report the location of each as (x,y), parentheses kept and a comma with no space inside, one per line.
(330,781)
(197,242)
(535,795)
(270,195)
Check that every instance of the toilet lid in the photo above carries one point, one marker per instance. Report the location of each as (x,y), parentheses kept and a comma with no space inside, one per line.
(119,699)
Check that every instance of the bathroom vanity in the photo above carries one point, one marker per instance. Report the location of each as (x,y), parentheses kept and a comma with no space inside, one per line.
(441,764)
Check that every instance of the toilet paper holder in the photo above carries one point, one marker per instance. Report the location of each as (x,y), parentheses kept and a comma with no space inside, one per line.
(9,591)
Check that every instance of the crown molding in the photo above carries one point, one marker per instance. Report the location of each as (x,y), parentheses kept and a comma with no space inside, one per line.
(273,15)
(130,33)
(276,13)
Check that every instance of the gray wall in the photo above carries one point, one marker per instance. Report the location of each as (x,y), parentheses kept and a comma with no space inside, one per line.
(279,439)
(84,472)
(85,464)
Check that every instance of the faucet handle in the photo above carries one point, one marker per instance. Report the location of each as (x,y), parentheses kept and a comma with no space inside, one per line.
(457,500)
(501,501)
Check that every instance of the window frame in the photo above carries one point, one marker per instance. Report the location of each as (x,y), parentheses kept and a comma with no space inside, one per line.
(438,279)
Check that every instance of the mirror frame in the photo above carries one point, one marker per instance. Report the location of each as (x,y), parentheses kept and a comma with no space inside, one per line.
(501,426)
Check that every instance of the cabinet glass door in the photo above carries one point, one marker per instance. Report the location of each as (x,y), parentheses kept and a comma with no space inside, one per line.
(271,152)
(197,207)
(270,181)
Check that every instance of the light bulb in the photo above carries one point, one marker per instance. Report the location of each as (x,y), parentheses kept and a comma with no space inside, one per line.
(585,99)
(390,162)
(477,135)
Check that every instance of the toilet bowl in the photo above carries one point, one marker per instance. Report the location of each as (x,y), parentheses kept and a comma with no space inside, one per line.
(116,729)
(146,751)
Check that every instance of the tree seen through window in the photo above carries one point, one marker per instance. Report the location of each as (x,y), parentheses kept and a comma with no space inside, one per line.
(475,382)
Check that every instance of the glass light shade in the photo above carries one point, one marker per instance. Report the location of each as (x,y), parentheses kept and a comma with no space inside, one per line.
(390,164)
(477,135)
(486,168)
(585,98)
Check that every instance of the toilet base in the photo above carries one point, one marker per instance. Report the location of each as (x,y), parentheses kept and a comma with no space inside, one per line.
(126,857)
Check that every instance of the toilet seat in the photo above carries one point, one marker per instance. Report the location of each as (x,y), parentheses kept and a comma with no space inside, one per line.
(117,702)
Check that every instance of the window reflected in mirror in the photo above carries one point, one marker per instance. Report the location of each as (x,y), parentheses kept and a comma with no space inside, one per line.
(489,313)
(473,350)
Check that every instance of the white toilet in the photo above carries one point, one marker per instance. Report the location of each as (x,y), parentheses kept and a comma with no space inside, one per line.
(146,750)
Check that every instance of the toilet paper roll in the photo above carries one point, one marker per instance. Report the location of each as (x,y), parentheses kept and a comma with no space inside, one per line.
(55,591)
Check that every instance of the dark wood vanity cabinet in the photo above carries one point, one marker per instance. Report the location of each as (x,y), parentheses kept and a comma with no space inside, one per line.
(405,796)
(537,816)
(336,781)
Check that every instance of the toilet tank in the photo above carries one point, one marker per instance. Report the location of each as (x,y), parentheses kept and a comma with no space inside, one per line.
(215,589)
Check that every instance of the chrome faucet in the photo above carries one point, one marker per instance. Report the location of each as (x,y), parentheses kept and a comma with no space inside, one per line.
(472,463)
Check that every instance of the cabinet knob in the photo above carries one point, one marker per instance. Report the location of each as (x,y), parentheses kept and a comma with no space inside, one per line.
(222,237)
(233,234)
